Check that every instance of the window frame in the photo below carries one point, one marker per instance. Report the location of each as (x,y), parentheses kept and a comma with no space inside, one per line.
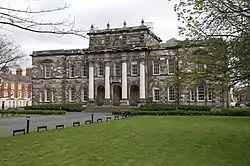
(84,95)
(198,93)
(118,69)
(84,71)
(133,64)
(156,98)
(173,95)
(72,67)
(71,99)
(158,68)
(46,96)
(171,67)
(192,95)
(47,71)
(101,69)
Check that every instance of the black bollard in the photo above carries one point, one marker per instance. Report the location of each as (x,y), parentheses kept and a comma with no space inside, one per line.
(92,117)
(28,124)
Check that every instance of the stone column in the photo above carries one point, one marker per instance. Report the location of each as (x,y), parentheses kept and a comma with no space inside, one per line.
(91,81)
(107,82)
(142,80)
(124,81)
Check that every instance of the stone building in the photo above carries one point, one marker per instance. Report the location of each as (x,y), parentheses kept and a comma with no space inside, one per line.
(15,89)
(121,66)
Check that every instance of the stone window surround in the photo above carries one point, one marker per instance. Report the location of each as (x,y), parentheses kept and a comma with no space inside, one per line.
(134,65)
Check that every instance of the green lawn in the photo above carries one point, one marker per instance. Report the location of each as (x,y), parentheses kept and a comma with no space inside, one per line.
(138,141)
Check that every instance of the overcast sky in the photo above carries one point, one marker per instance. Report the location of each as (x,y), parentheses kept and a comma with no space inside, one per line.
(97,12)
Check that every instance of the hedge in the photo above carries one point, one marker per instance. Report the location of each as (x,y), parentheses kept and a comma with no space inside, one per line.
(170,107)
(64,107)
(37,112)
(189,113)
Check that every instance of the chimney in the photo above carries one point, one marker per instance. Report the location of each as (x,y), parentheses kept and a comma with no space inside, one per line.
(6,70)
(29,72)
(19,71)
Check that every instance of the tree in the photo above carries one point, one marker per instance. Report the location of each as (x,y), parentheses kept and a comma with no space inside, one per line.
(26,19)
(228,20)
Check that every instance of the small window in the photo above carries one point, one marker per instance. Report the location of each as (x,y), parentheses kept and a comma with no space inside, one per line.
(47,71)
(84,95)
(101,69)
(201,93)
(171,94)
(156,68)
(19,94)
(117,69)
(156,94)
(72,70)
(171,66)
(71,95)
(134,69)
(84,71)
(192,95)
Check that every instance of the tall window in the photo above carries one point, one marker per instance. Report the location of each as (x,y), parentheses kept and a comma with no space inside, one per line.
(40,97)
(156,68)
(6,85)
(46,95)
(101,69)
(134,68)
(192,95)
(117,69)
(84,95)
(84,70)
(12,85)
(171,94)
(156,94)
(72,70)
(47,71)
(26,94)
(12,93)
(19,94)
(201,93)
(209,95)
(71,95)
(171,66)
(52,96)
(19,86)
(5,93)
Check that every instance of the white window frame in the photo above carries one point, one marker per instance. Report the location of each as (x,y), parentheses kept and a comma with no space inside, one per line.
(72,67)
(40,97)
(198,99)
(154,93)
(168,64)
(70,95)
(84,94)
(52,96)
(134,64)
(158,67)
(46,96)
(19,86)
(47,71)
(19,94)
(171,94)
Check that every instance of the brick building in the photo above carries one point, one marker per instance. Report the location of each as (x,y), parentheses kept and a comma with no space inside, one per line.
(15,89)
(121,66)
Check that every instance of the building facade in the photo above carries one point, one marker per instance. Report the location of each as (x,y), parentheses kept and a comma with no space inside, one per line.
(122,66)
(15,89)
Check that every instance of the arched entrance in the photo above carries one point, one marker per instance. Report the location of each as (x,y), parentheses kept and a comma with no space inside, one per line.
(134,95)
(100,95)
(117,95)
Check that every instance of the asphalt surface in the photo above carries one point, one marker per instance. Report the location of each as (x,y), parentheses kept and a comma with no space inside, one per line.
(7,125)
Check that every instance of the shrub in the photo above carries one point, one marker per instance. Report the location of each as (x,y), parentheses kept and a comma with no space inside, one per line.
(167,107)
(37,112)
(65,107)
(231,112)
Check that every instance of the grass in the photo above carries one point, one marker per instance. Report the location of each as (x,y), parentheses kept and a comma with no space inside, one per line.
(138,141)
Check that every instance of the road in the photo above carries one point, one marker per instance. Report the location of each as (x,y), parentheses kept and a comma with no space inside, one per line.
(7,125)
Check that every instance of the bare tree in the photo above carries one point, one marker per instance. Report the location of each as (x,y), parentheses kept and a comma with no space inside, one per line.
(25,19)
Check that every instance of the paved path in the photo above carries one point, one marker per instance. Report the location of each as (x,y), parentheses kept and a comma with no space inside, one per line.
(7,125)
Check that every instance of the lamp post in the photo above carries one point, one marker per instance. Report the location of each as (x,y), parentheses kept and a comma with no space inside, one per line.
(92,117)
(28,124)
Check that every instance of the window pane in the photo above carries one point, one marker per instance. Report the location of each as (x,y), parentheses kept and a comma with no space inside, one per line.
(192,95)
(156,94)
(171,93)
(84,71)
(47,71)
(201,93)
(117,69)
(156,68)
(171,66)
(72,70)
(101,69)
(134,69)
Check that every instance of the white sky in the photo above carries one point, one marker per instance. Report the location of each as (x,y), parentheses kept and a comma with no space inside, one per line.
(97,12)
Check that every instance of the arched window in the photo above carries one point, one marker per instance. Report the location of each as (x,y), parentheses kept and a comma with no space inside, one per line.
(201,93)
(72,95)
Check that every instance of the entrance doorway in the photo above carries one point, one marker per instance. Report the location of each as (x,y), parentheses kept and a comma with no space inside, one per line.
(100,95)
(134,95)
(117,95)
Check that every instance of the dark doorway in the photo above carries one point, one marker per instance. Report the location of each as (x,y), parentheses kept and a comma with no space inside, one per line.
(117,95)
(100,95)
(134,95)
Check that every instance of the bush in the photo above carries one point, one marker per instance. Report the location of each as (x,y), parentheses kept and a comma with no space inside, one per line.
(64,107)
(37,112)
(231,112)
(167,107)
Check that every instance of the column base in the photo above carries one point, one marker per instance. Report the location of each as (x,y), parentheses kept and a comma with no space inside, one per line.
(124,102)
(91,102)
(107,102)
